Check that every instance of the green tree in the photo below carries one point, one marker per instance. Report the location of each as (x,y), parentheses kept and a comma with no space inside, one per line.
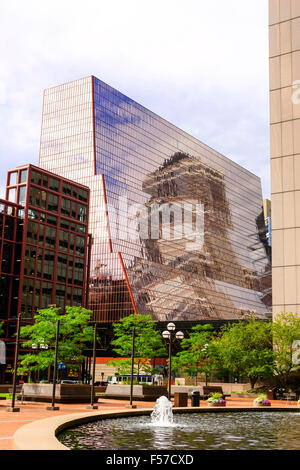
(75,332)
(286,336)
(148,341)
(245,348)
(197,352)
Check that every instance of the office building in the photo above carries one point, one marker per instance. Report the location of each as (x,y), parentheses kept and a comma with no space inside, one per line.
(44,245)
(174,222)
(284,33)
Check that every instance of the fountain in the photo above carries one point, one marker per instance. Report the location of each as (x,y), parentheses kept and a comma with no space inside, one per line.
(162,414)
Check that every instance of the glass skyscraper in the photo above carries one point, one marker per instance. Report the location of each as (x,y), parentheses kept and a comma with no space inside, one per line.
(177,228)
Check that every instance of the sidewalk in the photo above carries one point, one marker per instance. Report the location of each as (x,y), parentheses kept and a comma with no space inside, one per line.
(32,411)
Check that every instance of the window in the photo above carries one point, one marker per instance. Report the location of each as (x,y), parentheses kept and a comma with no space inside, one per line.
(82,195)
(81,216)
(63,240)
(44,200)
(13,178)
(52,220)
(35,177)
(34,196)
(48,265)
(50,237)
(12,195)
(32,229)
(80,246)
(66,207)
(22,195)
(67,189)
(52,203)
(23,176)
(54,184)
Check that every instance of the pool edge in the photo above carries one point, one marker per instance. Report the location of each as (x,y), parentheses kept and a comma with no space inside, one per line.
(42,434)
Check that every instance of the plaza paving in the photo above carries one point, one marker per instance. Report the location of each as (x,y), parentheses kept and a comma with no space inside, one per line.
(30,411)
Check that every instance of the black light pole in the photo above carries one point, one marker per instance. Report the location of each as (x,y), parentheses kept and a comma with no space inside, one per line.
(169,335)
(170,365)
(132,370)
(53,407)
(92,406)
(13,408)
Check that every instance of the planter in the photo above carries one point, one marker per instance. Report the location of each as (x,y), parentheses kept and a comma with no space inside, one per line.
(216,404)
(64,393)
(262,404)
(140,392)
(244,395)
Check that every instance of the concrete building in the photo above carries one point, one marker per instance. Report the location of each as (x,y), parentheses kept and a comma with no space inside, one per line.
(284,35)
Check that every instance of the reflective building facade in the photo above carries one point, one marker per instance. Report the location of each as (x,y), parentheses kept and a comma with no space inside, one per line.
(173,221)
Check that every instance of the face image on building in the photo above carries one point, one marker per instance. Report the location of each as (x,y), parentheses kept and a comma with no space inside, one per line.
(175,224)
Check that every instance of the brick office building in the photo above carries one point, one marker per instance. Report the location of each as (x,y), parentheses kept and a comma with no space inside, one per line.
(44,245)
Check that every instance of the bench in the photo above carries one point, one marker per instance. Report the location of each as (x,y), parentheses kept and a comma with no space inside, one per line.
(19,392)
(210,390)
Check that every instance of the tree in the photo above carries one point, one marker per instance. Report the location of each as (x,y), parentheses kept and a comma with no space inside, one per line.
(148,341)
(245,348)
(74,334)
(286,336)
(197,352)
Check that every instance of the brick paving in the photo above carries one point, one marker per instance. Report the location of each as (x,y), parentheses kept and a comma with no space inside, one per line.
(32,411)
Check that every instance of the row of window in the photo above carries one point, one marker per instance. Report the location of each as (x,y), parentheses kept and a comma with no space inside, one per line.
(41,263)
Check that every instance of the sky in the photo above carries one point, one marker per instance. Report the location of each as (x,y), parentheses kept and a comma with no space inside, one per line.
(202,65)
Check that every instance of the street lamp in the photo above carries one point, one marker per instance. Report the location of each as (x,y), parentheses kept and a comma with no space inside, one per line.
(42,346)
(132,370)
(13,408)
(168,335)
(92,406)
(53,407)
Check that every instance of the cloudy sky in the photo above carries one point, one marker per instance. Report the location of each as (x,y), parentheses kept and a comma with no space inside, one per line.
(203,65)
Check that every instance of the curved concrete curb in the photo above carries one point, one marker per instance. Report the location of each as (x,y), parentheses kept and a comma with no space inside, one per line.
(41,434)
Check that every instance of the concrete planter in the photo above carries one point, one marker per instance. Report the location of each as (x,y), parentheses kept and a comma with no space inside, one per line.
(64,393)
(140,392)
(244,395)
(216,404)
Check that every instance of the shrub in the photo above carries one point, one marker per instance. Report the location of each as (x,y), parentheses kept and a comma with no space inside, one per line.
(261,400)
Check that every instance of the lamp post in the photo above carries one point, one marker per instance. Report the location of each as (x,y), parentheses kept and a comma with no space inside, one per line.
(132,370)
(13,408)
(92,406)
(53,407)
(42,345)
(171,337)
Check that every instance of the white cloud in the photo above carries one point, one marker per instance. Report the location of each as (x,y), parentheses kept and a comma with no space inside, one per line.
(201,65)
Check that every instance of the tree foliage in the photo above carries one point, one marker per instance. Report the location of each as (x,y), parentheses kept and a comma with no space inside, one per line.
(197,351)
(286,337)
(148,341)
(245,348)
(75,332)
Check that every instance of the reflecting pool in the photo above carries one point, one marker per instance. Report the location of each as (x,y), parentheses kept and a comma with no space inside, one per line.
(222,431)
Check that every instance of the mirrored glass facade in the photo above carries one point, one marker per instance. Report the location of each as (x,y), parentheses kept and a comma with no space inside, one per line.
(173,221)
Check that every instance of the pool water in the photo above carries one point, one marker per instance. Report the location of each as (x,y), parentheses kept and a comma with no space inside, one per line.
(199,431)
